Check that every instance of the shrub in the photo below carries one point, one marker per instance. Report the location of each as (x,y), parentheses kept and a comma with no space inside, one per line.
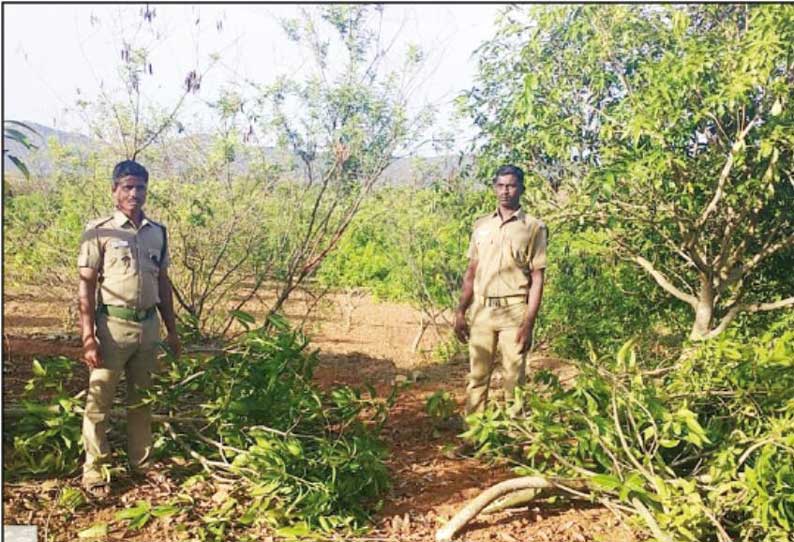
(706,444)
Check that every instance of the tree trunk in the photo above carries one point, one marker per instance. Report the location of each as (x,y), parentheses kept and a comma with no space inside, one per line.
(350,308)
(704,310)
(423,325)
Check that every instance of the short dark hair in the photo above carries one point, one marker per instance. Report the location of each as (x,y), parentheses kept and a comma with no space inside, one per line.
(129,168)
(508,169)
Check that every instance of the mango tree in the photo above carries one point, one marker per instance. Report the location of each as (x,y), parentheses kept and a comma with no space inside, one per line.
(669,127)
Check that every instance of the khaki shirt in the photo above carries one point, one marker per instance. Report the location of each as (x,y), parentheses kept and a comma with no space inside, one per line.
(506,253)
(127,259)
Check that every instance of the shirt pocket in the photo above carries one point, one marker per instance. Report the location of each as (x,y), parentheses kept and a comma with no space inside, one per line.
(519,251)
(119,261)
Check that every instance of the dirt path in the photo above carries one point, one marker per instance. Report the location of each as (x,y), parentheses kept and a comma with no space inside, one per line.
(427,487)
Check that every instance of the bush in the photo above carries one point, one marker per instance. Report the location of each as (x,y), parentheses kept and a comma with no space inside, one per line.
(45,439)
(706,444)
(594,301)
(296,459)
(302,455)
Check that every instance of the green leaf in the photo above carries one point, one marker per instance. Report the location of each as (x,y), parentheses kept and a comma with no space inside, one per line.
(606,482)
(141,508)
(299,530)
(20,164)
(38,370)
(165,510)
(95,531)
(777,108)
(243,317)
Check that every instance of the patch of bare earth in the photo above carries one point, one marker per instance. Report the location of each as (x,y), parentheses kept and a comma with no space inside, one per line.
(374,346)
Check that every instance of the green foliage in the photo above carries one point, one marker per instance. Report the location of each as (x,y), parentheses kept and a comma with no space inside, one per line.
(45,439)
(705,444)
(296,457)
(301,456)
(225,238)
(448,350)
(409,245)
(666,126)
(594,301)
(43,225)
(440,406)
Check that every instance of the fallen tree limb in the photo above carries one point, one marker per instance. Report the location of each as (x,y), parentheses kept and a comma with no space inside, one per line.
(511,500)
(15,411)
(479,503)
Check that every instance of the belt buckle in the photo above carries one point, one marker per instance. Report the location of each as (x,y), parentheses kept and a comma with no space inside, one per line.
(140,315)
(494,302)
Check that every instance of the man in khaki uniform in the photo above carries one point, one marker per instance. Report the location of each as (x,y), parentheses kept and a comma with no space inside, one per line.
(123,265)
(504,283)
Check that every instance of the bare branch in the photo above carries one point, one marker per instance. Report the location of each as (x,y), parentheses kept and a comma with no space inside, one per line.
(768,250)
(734,311)
(470,511)
(770,306)
(664,282)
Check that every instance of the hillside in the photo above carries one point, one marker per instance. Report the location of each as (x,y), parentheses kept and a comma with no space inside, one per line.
(401,172)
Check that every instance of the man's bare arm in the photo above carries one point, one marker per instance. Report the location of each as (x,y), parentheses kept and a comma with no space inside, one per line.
(466,298)
(87,301)
(524,336)
(166,307)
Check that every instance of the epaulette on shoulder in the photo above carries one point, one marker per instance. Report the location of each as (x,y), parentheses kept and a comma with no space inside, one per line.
(93,224)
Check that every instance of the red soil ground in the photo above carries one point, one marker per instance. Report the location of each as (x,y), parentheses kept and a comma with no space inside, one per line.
(427,488)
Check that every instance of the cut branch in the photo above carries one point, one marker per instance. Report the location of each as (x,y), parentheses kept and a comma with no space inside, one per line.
(470,511)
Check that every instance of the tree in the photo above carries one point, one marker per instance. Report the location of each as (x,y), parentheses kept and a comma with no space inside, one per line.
(342,126)
(669,127)
(125,115)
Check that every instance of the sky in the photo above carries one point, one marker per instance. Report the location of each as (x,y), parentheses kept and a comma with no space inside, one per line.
(56,54)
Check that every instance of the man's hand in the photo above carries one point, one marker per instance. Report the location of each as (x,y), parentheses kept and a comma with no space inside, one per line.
(91,355)
(174,345)
(461,327)
(524,337)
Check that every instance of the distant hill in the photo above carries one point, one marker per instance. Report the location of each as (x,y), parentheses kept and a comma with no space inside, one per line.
(403,171)
(39,157)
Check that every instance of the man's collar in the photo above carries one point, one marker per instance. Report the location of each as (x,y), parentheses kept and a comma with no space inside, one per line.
(120,219)
(518,215)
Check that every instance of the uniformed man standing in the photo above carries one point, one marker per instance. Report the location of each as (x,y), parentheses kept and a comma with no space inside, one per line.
(123,265)
(503,284)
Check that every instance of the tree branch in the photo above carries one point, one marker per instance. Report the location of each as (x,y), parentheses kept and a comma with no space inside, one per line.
(724,174)
(664,282)
(470,511)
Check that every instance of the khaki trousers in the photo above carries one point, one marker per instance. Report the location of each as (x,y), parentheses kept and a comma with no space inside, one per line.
(492,327)
(130,348)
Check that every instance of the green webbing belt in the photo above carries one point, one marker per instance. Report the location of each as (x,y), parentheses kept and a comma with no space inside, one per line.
(126,313)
